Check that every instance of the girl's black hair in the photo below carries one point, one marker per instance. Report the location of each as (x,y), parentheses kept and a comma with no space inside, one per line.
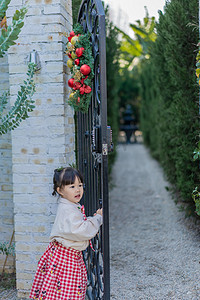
(65,176)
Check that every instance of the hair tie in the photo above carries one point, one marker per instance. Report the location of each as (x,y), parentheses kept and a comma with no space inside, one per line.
(59,169)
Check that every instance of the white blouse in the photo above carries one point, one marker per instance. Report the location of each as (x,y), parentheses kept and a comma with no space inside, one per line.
(70,229)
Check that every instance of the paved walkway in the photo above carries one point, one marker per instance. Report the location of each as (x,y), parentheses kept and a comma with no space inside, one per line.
(155,250)
(8,294)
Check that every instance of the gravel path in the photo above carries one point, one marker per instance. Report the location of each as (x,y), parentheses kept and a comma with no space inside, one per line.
(155,250)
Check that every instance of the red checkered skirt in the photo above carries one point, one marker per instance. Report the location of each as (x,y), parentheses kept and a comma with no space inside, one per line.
(61,274)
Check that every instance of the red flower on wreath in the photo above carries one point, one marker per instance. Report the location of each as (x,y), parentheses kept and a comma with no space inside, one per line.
(85,89)
(76,86)
(83,79)
(88,89)
(82,90)
(71,35)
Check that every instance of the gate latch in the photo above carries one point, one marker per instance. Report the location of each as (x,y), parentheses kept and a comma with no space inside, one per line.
(105,149)
(96,141)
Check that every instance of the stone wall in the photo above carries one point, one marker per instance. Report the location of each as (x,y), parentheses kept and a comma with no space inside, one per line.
(6,198)
(44,141)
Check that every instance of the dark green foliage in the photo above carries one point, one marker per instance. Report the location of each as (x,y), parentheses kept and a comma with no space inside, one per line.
(23,104)
(169,113)
(75,9)
(129,90)
(113,81)
(197,152)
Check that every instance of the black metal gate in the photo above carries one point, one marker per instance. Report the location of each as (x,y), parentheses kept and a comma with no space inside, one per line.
(93,144)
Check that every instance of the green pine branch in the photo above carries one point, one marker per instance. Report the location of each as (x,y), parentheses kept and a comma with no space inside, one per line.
(9,35)
(23,105)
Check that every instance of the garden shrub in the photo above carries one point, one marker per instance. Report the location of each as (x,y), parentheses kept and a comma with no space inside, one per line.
(113,79)
(169,110)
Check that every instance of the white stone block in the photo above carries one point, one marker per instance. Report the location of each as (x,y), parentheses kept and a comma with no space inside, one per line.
(34,10)
(22,68)
(42,38)
(49,28)
(52,9)
(52,67)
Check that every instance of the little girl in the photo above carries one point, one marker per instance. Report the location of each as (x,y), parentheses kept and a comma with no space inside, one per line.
(61,273)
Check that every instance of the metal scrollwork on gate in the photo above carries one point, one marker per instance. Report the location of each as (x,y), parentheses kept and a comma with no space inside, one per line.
(94,141)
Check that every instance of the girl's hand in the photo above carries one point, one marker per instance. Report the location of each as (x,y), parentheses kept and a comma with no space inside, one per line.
(99,211)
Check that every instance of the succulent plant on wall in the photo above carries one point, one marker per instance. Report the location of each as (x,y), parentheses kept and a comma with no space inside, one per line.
(10,118)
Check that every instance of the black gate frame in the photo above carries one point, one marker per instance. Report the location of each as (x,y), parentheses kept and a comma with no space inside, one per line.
(93,145)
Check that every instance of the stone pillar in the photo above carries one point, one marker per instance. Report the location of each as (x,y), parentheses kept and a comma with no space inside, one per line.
(44,141)
(6,197)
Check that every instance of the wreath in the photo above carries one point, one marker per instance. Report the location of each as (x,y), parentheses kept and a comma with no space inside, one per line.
(81,64)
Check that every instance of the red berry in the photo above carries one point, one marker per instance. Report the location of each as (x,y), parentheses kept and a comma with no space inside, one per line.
(77,61)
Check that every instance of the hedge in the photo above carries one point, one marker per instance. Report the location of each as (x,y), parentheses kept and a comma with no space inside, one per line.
(169,108)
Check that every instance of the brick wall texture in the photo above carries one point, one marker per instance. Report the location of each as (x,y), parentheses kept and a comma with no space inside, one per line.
(44,141)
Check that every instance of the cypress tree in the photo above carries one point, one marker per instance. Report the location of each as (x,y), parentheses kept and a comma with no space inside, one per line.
(171,125)
(112,67)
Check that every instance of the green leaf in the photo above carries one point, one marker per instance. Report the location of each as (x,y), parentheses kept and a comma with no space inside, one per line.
(195,156)
(3,7)
(23,104)
(9,37)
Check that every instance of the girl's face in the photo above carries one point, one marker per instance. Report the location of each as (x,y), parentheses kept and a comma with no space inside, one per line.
(72,192)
